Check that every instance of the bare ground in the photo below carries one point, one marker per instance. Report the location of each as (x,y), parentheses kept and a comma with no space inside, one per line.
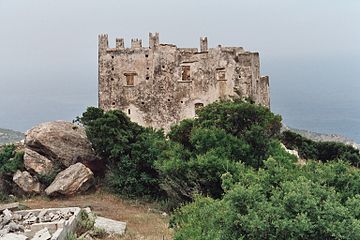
(143,222)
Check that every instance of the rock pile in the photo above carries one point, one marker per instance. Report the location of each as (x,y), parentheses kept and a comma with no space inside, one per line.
(58,149)
(42,224)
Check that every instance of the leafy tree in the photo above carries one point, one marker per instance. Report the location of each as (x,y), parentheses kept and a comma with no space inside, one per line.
(128,149)
(180,133)
(237,117)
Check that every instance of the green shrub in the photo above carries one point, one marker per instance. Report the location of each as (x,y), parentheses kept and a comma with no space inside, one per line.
(253,127)
(280,201)
(224,135)
(48,178)
(237,117)
(128,149)
(85,223)
(180,133)
(10,160)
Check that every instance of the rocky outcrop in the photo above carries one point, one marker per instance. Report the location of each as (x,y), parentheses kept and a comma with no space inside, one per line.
(51,147)
(37,163)
(60,141)
(292,152)
(76,178)
(26,182)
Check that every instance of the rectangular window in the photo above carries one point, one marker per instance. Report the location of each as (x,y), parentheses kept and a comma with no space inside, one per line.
(185,73)
(220,75)
(130,78)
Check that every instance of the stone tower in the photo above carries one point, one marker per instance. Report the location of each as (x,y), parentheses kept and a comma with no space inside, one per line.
(159,85)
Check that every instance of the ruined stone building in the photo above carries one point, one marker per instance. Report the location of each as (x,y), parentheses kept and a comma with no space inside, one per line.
(161,84)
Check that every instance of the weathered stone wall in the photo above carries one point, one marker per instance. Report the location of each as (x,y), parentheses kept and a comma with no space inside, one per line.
(162,84)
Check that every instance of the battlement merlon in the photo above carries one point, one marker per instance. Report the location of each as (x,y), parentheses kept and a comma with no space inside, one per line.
(103,43)
(154,40)
(120,43)
(203,44)
(136,43)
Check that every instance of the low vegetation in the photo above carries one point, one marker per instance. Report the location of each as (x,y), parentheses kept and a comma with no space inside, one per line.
(227,177)
(10,162)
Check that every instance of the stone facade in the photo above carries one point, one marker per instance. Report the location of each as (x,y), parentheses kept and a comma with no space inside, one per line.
(159,85)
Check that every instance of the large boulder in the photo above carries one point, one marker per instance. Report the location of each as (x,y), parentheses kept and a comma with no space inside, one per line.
(26,182)
(37,163)
(60,141)
(76,178)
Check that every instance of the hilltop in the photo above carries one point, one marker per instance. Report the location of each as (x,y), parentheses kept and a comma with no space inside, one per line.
(10,136)
(322,137)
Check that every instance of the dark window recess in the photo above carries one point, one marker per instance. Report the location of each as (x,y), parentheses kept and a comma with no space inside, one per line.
(185,73)
(112,79)
(112,69)
(147,68)
(169,100)
(112,56)
(129,111)
(146,55)
(130,78)
(147,77)
(198,106)
(220,75)
(113,103)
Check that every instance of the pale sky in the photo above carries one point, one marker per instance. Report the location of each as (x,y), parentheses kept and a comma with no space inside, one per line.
(309,48)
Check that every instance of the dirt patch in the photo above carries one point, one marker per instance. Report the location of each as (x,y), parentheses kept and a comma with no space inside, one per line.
(142,221)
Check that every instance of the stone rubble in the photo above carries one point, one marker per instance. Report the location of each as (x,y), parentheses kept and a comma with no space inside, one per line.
(35,224)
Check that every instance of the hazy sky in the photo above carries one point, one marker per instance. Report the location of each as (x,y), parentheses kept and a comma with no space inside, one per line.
(310,49)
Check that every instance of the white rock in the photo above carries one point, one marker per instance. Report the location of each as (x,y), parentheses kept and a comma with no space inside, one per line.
(7,213)
(26,182)
(110,226)
(13,236)
(292,152)
(43,234)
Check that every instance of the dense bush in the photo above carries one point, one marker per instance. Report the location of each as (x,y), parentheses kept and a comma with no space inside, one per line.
(323,151)
(253,125)
(128,149)
(10,160)
(281,201)
(224,135)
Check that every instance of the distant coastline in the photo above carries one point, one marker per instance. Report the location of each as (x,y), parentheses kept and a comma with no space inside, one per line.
(8,136)
(322,137)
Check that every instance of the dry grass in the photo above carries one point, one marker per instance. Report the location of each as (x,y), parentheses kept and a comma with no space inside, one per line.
(142,222)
